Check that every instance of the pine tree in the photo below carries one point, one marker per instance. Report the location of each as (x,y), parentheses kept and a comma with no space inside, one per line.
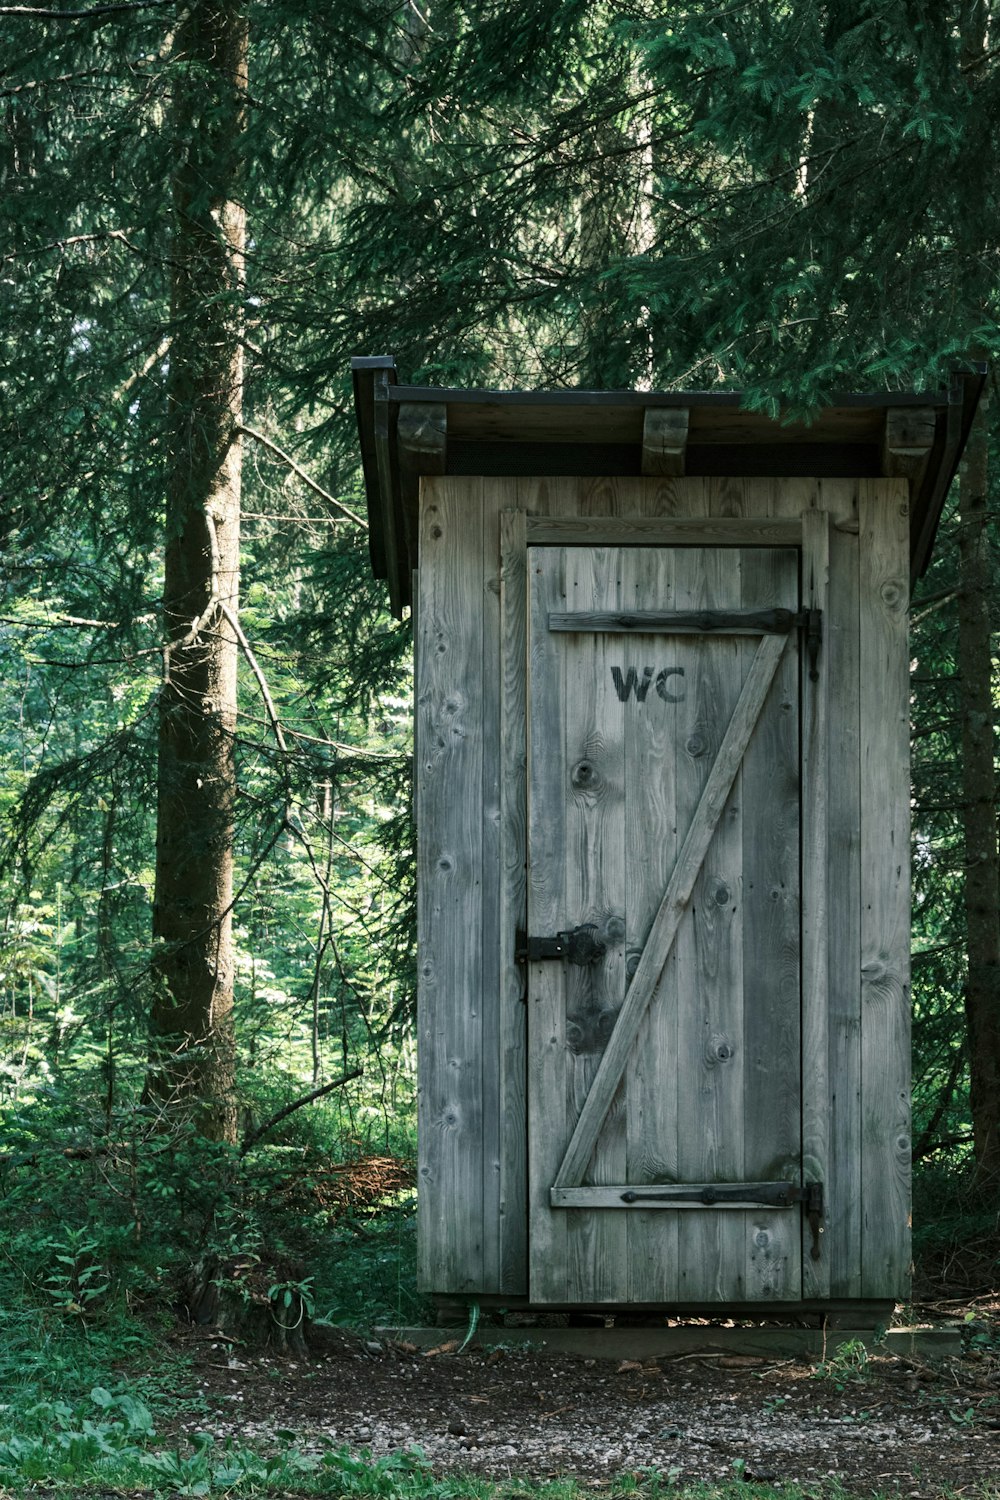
(193,1042)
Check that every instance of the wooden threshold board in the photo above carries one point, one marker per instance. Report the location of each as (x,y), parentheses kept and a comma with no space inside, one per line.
(925,1340)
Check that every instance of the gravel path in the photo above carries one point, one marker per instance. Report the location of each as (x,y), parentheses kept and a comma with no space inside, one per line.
(900,1427)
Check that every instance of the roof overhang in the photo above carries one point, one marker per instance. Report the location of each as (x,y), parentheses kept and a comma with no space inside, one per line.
(409,430)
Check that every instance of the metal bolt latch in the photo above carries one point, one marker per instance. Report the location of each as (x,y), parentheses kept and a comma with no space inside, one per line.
(579,945)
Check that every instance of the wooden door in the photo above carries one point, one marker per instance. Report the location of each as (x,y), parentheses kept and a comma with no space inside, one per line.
(663,708)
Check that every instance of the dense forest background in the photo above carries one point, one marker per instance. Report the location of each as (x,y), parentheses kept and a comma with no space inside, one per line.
(206,872)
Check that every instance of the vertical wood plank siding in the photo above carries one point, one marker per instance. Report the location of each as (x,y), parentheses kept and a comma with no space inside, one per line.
(470,785)
(815,678)
(513,1225)
(498,496)
(450,805)
(841,647)
(885,887)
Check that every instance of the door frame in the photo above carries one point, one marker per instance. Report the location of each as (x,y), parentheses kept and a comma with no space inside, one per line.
(811,535)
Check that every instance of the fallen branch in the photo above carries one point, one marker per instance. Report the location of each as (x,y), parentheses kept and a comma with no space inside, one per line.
(253,1136)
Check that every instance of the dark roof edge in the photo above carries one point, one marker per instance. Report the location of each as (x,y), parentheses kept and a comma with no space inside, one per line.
(964,396)
(730,399)
(363,368)
(378,395)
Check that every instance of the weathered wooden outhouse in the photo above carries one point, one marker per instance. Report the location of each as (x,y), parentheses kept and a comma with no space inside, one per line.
(663,823)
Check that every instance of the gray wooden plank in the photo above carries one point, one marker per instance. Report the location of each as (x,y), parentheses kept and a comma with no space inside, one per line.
(513,1205)
(710,1010)
(841,650)
(772,1128)
(717,788)
(546,982)
(545,989)
(633,527)
(885,906)
(450,868)
(495,494)
(498,495)
(594,882)
(815,905)
(651,842)
(710,941)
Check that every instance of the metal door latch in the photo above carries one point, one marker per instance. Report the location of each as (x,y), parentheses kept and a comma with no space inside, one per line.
(812,619)
(579,945)
(812,1203)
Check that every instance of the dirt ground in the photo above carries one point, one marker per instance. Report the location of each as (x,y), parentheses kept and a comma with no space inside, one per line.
(897,1426)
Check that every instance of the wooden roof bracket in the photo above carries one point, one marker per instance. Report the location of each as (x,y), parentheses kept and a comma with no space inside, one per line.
(404,433)
(664,439)
(907,442)
(423,436)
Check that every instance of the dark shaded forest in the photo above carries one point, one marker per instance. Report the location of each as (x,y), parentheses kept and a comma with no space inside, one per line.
(207,1065)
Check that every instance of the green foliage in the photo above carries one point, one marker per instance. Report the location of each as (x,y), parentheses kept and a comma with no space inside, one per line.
(956,1219)
(790,198)
(847,1365)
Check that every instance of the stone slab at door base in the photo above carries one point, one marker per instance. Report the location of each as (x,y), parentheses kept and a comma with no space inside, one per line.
(925,1341)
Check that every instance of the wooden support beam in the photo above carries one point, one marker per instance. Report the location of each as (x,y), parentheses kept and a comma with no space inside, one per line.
(700,1339)
(907,442)
(423,435)
(664,439)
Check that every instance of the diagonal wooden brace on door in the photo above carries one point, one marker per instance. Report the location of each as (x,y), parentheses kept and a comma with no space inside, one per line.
(671,910)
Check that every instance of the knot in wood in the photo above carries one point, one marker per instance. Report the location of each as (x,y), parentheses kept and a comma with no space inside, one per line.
(614,930)
(893,593)
(720,1050)
(584,774)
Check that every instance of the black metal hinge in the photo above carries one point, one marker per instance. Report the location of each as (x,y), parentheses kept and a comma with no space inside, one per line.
(767,1194)
(811,620)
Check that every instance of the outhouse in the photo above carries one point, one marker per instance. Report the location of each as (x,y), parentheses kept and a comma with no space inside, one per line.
(662,794)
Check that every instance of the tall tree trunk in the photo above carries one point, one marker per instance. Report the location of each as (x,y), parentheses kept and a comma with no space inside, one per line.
(192,1065)
(979,798)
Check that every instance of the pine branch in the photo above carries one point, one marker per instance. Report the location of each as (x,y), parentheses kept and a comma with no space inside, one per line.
(924,1146)
(316,739)
(297,469)
(945,1145)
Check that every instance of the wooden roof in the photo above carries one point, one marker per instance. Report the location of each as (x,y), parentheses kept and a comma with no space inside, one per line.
(409,430)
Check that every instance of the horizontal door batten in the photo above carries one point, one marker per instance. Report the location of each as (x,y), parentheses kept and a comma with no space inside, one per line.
(679,621)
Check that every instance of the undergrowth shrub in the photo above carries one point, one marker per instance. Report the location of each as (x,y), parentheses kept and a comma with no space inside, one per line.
(956,1227)
(107,1214)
